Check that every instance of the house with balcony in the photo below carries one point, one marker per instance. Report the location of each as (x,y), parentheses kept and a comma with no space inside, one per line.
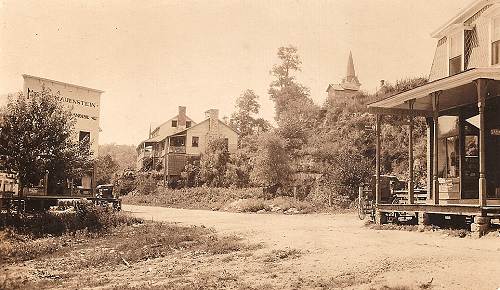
(461,104)
(171,144)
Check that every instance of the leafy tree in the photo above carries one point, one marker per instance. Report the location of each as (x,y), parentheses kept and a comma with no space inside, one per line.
(296,113)
(106,168)
(243,119)
(36,136)
(238,170)
(191,173)
(213,163)
(271,164)
(123,155)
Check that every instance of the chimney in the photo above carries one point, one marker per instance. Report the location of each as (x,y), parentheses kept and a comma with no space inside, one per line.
(213,116)
(181,118)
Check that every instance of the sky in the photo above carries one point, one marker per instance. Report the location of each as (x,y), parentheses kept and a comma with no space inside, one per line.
(152,56)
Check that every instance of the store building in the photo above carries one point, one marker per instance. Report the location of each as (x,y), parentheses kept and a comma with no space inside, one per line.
(84,103)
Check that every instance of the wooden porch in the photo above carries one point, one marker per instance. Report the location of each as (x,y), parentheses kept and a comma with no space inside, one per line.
(463,144)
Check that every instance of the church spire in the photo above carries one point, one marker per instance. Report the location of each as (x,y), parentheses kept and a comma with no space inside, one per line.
(350,82)
(350,67)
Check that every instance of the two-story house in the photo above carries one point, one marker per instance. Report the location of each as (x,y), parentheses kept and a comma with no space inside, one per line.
(169,145)
(461,104)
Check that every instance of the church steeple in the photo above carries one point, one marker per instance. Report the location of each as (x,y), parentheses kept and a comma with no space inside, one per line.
(351,81)
(349,85)
(350,67)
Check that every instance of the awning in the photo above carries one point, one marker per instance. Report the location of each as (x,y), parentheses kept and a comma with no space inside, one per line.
(454,90)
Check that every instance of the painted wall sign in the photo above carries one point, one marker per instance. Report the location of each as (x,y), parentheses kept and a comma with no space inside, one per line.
(84,104)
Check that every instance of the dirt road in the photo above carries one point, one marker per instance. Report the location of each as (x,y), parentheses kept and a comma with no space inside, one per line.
(339,249)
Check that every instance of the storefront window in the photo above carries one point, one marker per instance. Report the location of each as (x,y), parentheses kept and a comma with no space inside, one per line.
(471,146)
(452,157)
(449,147)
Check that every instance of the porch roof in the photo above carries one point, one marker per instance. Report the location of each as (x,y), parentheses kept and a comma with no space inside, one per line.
(454,91)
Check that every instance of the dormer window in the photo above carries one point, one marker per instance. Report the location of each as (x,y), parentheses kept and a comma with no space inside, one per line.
(455,59)
(174,123)
(495,41)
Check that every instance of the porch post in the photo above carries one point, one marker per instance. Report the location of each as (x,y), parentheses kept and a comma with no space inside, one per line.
(429,151)
(410,154)
(481,100)
(435,157)
(165,161)
(377,158)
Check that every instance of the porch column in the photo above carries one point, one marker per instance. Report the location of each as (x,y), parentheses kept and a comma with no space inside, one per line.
(377,158)
(410,154)
(429,151)
(166,147)
(435,155)
(481,86)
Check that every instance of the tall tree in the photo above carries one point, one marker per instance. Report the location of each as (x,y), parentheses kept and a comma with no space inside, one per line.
(36,136)
(244,118)
(296,113)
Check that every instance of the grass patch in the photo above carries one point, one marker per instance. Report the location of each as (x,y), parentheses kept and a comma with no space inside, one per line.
(278,255)
(191,198)
(457,233)
(28,237)
(341,281)
(229,199)
(125,246)
(287,205)
(392,288)
(88,217)
(155,240)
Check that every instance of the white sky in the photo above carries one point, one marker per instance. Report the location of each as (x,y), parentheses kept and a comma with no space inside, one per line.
(152,56)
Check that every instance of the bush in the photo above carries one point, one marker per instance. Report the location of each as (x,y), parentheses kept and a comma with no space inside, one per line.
(146,184)
(247,205)
(286,203)
(196,197)
(87,217)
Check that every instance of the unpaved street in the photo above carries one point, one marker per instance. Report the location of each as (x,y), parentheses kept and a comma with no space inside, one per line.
(340,247)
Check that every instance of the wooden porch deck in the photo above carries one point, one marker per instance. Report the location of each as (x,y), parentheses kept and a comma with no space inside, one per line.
(455,209)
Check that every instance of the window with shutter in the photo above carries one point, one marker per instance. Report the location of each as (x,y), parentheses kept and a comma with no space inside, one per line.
(455,59)
(495,41)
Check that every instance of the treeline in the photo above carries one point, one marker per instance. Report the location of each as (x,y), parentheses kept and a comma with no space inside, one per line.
(316,152)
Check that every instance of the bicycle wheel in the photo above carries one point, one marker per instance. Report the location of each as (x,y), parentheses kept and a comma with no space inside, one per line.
(361,209)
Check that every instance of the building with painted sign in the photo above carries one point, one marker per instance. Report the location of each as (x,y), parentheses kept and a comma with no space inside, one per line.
(83,102)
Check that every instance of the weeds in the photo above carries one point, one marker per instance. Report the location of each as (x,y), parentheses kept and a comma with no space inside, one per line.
(229,199)
(458,233)
(27,237)
(277,255)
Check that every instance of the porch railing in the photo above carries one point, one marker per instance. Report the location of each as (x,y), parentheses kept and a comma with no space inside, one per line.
(177,149)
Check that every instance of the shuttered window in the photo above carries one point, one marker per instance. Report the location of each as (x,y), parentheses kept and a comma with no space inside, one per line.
(495,41)
(455,59)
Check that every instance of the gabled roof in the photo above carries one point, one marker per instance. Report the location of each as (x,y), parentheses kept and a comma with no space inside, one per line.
(336,87)
(161,138)
(170,120)
(204,121)
(462,16)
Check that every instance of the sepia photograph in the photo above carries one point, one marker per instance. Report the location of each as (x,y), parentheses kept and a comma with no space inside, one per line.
(250,144)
